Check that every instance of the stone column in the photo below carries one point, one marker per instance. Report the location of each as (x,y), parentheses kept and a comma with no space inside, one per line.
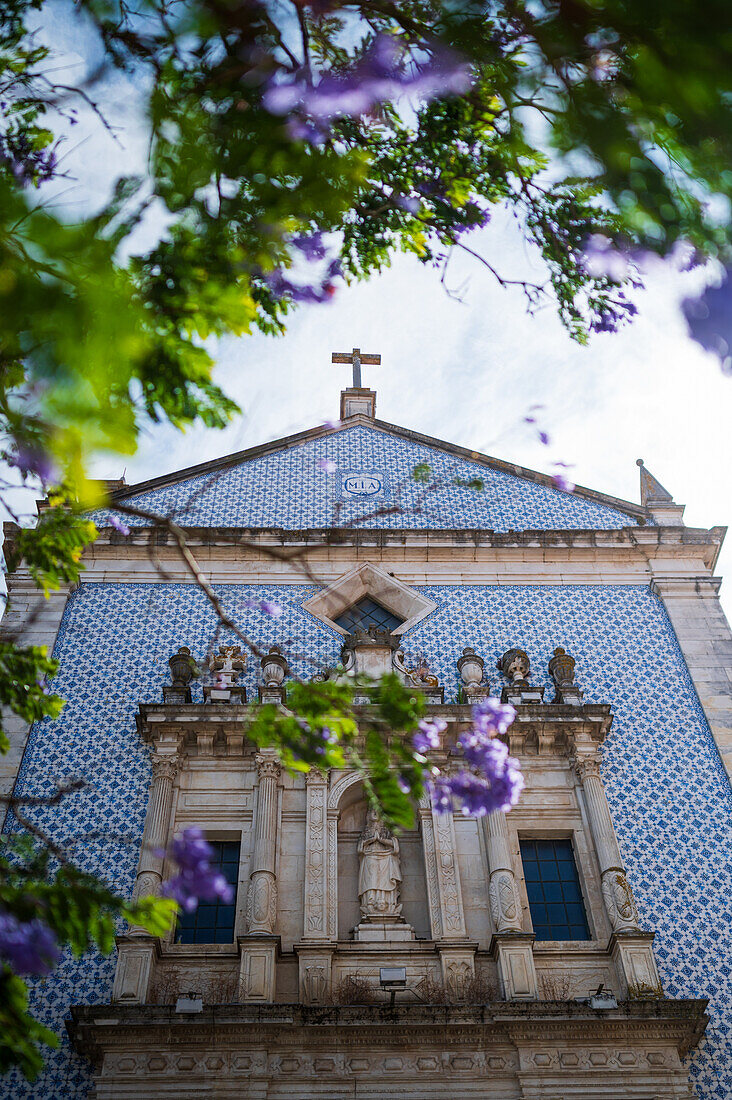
(511,947)
(262,897)
(137,951)
(258,949)
(631,947)
(165,763)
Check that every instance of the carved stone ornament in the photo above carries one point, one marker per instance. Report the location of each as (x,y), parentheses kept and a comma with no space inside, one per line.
(368,652)
(267,768)
(316,984)
(164,767)
(504,901)
(419,676)
(226,666)
(515,666)
(379,875)
(274,668)
(182,670)
(587,766)
(561,670)
(470,666)
(619,901)
(262,902)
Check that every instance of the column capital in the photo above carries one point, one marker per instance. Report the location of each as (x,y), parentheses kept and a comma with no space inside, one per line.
(268,766)
(587,765)
(316,778)
(164,765)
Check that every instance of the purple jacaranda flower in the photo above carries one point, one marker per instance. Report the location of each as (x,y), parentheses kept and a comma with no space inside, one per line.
(403,784)
(196,880)
(267,607)
(408,203)
(428,735)
(332,424)
(118,525)
(492,716)
(43,685)
(327,465)
(601,258)
(479,796)
(311,246)
(561,481)
(304,129)
(31,459)
(282,287)
(544,438)
(382,74)
(28,947)
(709,318)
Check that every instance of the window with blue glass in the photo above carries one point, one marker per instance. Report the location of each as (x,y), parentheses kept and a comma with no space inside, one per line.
(213,922)
(367,613)
(553,888)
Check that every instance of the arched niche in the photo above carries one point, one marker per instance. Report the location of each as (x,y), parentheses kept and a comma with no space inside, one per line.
(351,807)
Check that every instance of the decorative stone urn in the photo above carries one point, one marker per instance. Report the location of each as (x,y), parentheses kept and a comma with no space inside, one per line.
(561,670)
(516,667)
(274,670)
(420,677)
(471,666)
(182,670)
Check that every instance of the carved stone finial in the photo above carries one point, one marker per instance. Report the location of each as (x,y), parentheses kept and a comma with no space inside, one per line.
(561,670)
(226,665)
(274,667)
(516,667)
(471,666)
(182,671)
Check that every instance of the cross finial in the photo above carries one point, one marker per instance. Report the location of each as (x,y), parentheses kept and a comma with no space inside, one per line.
(356,359)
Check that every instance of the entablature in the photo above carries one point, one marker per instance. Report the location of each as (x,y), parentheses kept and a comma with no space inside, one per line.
(219,729)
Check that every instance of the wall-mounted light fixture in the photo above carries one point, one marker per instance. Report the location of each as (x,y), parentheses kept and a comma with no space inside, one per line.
(392,979)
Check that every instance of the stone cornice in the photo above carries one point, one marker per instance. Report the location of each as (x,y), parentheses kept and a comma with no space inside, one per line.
(100,1029)
(629,555)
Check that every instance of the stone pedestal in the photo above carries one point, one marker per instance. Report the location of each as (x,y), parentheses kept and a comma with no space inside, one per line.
(257,967)
(136,958)
(513,952)
(632,953)
(358,402)
(458,968)
(315,971)
(383,931)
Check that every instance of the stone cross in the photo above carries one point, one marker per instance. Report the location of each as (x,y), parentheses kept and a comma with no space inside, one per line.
(355,358)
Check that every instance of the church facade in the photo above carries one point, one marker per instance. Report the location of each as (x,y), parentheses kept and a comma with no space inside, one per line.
(576,947)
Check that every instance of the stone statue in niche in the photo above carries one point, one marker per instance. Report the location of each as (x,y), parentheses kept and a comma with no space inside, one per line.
(379,873)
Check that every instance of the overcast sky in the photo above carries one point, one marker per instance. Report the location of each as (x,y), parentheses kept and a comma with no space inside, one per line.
(463,370)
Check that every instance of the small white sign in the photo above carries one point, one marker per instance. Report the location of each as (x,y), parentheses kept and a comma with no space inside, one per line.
(363,485)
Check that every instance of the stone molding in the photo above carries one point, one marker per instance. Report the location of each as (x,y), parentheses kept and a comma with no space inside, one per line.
(514,1032)
(369,580)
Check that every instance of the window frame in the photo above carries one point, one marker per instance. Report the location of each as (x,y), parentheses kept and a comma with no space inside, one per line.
(568,835)
(214,837)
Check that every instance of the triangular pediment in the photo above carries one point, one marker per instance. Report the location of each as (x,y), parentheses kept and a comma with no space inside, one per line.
(369,474)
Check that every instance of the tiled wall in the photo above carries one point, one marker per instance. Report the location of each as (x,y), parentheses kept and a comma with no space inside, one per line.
(289,489)
(668,793)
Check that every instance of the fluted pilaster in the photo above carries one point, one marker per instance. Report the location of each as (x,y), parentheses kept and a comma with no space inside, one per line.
(616,892)
(262,900)
(503,892)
